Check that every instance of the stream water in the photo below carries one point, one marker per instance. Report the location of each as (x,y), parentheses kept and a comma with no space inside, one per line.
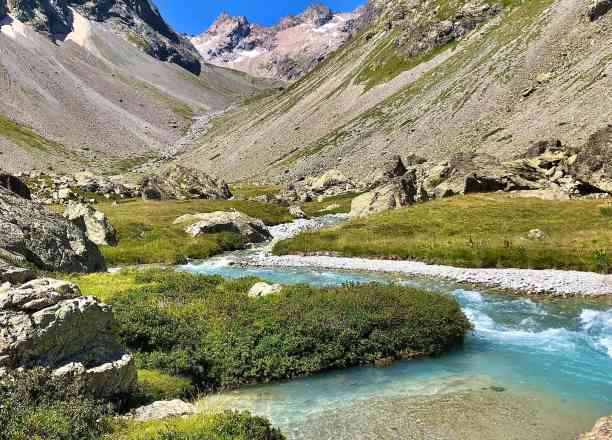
(531,369)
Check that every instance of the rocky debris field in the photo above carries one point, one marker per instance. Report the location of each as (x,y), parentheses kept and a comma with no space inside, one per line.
(547,170)
(47,323)
(173,182)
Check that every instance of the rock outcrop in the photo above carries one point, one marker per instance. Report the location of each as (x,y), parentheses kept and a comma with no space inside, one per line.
(139,20)
(593,163)
(178,182)
(598,8)
(399,192)
(251,230)
(93,222)
(601,431)
(10,275)
(33,234)
(15,185)
(47,323)
(284,51)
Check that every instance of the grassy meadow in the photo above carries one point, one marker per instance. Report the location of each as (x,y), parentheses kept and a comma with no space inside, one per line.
(484,230)
(147,234)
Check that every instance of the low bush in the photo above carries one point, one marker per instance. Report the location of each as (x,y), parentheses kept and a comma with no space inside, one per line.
(34,405)
(209,329)
(225,426)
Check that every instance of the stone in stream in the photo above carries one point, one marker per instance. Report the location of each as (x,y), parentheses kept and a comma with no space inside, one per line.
(30,233)
(251,230)
(46,323)
(163,409)
(93,222)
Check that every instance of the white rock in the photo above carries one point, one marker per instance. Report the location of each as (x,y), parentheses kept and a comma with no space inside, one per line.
(264,289)
(163,409)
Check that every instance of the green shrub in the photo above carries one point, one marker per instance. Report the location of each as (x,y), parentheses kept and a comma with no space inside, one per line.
(34,405)
(226,426)
(209,329)
(606,210)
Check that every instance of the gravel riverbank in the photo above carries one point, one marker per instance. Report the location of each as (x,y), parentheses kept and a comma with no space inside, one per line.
(551,282)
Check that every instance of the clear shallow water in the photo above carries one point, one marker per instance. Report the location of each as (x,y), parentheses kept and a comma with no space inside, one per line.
(560,348)
(557,350)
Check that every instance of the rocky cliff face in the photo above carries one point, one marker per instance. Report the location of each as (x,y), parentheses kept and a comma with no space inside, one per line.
(284,51)
(433,78)
(139,19)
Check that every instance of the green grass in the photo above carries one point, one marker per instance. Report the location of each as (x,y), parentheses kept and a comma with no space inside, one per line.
(475,231)
(387,61)
(24,136)
(208,329)
(147,234)
(317,209)
(606,210)
(226,426)
(155,385)
(247,191)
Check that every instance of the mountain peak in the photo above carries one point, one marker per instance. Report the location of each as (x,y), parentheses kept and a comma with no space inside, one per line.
(284,51)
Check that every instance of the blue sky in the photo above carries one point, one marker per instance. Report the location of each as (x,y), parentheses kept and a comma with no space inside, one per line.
(193,16)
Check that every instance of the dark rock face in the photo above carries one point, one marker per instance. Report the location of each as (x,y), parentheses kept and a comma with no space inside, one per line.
(598,8)
(2,9)
(594,162)
(138,18)
(31,233)
(15,185)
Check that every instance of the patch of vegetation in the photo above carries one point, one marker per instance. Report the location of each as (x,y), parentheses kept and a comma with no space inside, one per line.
(331,139)
(138,41)
(154,385)
(317,209)
(226,426)
(179,107)
(475,231)
(247,191)
(147,234)
(24,136)
(606,210)
(34,405)
(208,329)
(387,61)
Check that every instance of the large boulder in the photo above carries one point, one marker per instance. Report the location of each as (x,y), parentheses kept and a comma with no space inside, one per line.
(593,163)
(31,233)
(15,184)
(601,431)
(251,230)
(93,222)
(47,323)
(178,182)
(399,192)
(332,179)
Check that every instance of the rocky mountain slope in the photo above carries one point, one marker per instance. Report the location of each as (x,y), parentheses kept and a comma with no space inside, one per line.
(432,78)
(284,51)
(98,83)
